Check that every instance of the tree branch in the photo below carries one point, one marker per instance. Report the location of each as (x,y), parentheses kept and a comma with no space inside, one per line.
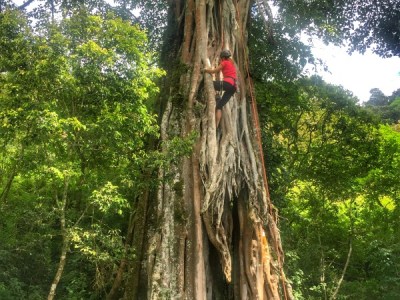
(266,14)
(25,5)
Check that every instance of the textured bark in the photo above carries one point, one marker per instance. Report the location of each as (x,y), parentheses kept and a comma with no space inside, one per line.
(215,234)
(135,236)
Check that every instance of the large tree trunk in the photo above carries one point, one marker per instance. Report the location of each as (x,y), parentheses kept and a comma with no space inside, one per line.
(212,232)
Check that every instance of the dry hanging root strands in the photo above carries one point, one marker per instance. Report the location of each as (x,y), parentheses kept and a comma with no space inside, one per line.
(235,162)
(217,200)
(272,214)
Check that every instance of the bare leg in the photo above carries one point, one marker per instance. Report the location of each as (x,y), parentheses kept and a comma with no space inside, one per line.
(218,114)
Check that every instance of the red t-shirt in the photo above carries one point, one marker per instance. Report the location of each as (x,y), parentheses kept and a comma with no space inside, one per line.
(229,71)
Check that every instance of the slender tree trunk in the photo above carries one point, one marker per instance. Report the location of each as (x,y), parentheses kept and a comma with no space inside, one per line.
(323,268)
(113,294)
(7,188)
(346,265)
(215,233)
(334,295)
(11,177)
(136,237)
(65,243)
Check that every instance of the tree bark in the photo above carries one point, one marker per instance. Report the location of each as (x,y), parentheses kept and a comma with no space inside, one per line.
(135,242)
(65,243)
(119,277)
(215,233)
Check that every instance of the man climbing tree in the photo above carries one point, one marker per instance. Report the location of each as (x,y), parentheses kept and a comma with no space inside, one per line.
(228,84)
(211,232)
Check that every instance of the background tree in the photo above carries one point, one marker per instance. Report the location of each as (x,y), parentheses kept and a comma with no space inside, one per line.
(73,133)
(377,98)
(365,24)
(316,190)
(385,107)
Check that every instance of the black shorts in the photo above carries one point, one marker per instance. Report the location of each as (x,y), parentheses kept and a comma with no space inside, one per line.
(228,89)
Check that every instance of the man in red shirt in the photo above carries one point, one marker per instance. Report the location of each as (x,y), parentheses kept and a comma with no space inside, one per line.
(228,85)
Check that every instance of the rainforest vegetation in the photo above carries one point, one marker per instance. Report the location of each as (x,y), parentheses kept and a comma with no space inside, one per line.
(115,183)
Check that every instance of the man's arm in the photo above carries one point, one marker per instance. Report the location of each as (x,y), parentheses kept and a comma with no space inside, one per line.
(216,70)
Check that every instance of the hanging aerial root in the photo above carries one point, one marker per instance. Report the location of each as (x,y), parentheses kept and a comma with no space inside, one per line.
(218,238)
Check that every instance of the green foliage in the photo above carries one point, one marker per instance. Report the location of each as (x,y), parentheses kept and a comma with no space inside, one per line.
(316,131)
(108,199)
(387,108)
(280,59)
(364,23)
(74,127)
(333,172)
